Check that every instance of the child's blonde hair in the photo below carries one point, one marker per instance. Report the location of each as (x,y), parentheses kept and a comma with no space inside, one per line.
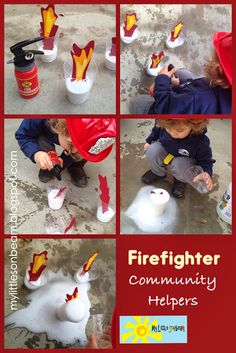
(214,73)
(198,126)
(59,127)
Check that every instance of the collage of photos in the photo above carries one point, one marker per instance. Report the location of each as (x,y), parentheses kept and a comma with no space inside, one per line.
(96,152)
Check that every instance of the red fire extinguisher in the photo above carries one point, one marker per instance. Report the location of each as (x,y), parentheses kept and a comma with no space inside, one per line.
(26,72)
(57,164)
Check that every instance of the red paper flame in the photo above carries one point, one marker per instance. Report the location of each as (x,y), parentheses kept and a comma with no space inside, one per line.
(156,59)
(130,24)
(87,266)
(176,31)
(48,27)
(81,60)
(60,192)
(72,296)
(104,196)
(37,266)
(72,223)
(113,47)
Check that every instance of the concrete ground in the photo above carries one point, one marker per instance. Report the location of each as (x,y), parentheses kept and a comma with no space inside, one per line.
(197,211)
(33,211)
(67,255)
(78,24)
(155,23)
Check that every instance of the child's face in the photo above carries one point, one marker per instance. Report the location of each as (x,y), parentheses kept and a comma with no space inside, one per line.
(66,144)
(179,131)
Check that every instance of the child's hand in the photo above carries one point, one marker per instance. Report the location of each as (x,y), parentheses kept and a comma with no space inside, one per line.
(207,179)
(146,146)
(43,160)
(175,81)
(151,89)
(94,344)
(164,71)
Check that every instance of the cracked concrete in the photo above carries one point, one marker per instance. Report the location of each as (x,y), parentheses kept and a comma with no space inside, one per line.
(33,211)
(78,24)
(155,23)
(197,211)
(67,255)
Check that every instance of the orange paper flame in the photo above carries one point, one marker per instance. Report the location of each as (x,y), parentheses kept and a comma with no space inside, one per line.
(81,59)
(176,31)
(90,261)
(104,197)
(72,296)
(156,59)
(130,24)
(37,266)
(49,18)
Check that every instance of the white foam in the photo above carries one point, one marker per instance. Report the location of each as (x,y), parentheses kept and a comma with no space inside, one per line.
(177,42)
(142,213)
(40,314)
(128,40)
(49,55)
(106,216)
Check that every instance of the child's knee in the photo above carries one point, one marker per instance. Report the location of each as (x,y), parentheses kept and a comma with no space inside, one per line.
(179,165)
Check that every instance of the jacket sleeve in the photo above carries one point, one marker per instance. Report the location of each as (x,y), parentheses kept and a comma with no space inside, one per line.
(154,135)
(204,156)
(27,136)
(172,101)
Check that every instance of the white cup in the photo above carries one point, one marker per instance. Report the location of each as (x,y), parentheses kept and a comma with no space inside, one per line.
(159,198)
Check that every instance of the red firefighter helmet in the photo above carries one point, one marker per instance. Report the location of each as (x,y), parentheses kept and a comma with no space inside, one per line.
(92,137)
(223,46)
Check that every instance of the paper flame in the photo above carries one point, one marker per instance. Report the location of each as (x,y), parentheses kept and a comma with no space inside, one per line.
(104,196)
(48,27)
(156,59)
(113,47)
(72,223)
(81,60)
(90,261)
(72,296)
(37,266)
(176,31)
(130,24)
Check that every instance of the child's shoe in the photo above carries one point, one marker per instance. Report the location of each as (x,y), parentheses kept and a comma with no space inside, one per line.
(77,173)
(45,175)
(178,188)
(149,177)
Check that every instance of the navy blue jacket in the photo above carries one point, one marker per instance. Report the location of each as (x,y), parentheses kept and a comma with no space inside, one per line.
(192,146)
(27,137)
(194,97)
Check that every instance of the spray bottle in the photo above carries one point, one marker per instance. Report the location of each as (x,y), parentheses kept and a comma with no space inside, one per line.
(57,164)
(26,72)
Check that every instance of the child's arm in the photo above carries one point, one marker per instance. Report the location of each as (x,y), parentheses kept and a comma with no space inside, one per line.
(168,101)
(205,160)
(27,136)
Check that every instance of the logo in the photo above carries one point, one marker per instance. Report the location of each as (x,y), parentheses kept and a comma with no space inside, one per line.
(26,84)
(153,329)
(183,152)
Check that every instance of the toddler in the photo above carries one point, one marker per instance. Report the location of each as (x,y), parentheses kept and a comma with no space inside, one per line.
(179,144)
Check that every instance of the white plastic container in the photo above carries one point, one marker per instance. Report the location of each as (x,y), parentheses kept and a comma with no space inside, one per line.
(110,60)
(224,206)
(177,42)
(128,40)
(189,176)
(55,202)
(41,281)
(159,199)
(154,72)
(73,311)
(78,91)
(81,277)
